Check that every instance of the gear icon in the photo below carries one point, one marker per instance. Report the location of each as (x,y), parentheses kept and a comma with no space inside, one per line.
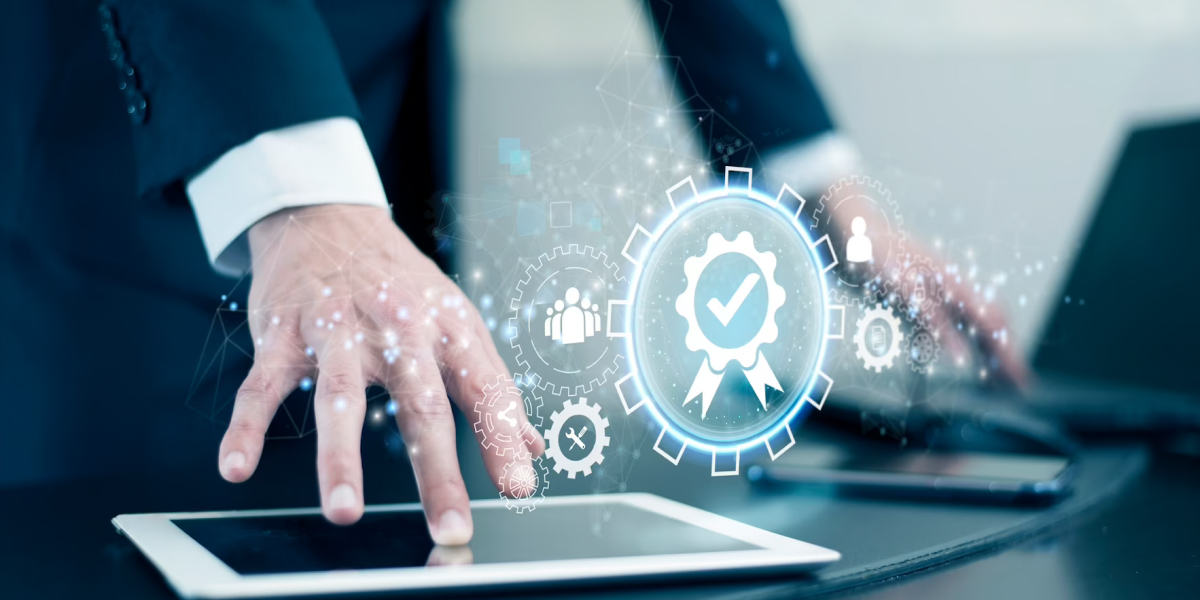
(685,305)
(523,487)
(747,354)
(882,358)
(497,422)
(923,349)
(595,455)
(921,288)
(847,190)
(551,366)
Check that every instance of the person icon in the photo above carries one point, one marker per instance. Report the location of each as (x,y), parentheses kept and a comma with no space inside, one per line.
(858,249)
(573,322)
(554,320)
(591,319)
(596,327)
(589,325)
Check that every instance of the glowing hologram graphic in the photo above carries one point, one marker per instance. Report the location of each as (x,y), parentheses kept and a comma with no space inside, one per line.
(739,300)
(712,369)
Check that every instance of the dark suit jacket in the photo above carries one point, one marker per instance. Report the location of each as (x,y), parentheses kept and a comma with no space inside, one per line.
(106,295)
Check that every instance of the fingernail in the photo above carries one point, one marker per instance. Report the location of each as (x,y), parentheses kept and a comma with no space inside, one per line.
(234,461)
(343,497)
(452,529)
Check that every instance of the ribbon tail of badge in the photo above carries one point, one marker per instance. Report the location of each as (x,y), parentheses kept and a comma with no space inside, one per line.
(705,385)
(761,376)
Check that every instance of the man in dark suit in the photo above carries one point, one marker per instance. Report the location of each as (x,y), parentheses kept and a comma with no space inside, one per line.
(137,136)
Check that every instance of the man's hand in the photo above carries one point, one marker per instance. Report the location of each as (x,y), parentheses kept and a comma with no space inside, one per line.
(980,319)
(340,293)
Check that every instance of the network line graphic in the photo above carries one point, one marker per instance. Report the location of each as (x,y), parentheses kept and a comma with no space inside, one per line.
(525,203)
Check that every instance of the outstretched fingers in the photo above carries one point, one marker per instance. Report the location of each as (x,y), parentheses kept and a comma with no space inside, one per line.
(278,366)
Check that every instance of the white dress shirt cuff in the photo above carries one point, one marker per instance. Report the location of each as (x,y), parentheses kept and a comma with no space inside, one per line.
(321,162)
(814,164)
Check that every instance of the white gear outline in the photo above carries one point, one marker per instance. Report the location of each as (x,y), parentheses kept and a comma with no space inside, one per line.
(640,244)
(594,456)
(869,293)
(530,502)
(936,289)
(480,417)
(870,361)
(524,366)
(685,304)
(936,346)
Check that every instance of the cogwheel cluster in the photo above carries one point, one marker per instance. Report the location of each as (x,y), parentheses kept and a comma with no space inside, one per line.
(595,454)
(884,360)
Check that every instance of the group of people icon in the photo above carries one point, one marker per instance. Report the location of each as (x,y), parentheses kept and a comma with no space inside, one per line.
(571,324)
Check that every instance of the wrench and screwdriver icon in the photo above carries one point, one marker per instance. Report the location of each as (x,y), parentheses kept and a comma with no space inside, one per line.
(576,438)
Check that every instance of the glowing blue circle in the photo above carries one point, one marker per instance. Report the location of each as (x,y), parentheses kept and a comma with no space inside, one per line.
(797,408)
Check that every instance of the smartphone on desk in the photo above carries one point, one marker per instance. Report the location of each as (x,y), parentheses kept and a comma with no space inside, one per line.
(921,473)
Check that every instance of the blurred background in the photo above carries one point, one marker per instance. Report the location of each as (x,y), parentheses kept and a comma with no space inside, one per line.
(995,125)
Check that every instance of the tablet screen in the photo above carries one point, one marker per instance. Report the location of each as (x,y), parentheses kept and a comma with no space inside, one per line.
(305,543)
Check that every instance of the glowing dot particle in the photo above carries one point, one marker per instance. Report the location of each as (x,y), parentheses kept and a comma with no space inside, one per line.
(306,384)
(327,292)
(340,404)
(233,306)
(337,315)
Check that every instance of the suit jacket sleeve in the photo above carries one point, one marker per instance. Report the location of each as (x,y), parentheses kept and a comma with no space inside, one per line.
(740,71)
(203,76)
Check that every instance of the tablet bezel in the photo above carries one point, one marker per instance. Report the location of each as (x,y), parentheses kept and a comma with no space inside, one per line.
(194,572)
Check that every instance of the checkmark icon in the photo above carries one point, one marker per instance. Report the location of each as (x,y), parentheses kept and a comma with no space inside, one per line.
(725,312)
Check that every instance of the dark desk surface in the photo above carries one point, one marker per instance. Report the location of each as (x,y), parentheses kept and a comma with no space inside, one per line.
(1145,542)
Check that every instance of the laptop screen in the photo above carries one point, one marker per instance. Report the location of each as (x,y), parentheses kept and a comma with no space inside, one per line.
(1122,315)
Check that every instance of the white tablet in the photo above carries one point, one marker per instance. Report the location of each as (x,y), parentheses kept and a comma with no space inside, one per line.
(566,539)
